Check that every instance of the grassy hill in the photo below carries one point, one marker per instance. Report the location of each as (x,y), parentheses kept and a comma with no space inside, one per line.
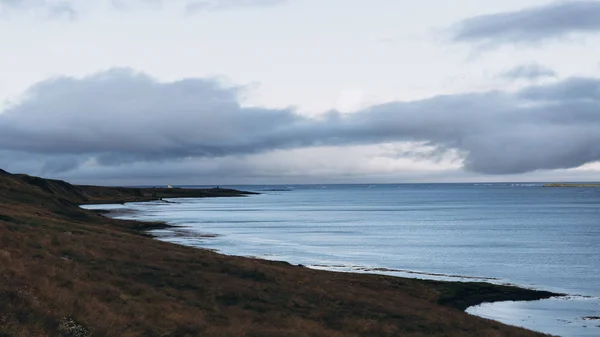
(65,271)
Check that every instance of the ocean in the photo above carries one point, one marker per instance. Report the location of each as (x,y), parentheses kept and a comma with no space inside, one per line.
(520,234)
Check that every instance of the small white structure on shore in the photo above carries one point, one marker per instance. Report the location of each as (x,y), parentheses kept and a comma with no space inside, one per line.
(169,186)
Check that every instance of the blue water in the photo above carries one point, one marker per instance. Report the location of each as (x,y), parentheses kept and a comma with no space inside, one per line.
(522,234)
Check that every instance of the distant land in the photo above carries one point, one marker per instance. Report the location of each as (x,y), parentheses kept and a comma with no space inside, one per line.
(571,185)
(66,271)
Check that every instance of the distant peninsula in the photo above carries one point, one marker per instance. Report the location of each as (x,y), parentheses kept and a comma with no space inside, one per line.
(572,185)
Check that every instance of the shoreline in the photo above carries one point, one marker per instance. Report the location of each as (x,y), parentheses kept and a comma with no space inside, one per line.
(564,316)
(572,185)
(507,292)
(506,287)
(109,278)
(122,195)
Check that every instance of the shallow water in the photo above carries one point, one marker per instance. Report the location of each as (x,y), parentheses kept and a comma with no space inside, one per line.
(565,316)
(523,234)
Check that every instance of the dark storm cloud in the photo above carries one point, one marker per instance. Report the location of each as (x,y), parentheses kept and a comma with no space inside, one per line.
(119,117)
(123,116)
(531,71)
(531,25)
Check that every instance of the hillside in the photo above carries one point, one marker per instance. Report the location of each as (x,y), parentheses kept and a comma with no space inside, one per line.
(65,271)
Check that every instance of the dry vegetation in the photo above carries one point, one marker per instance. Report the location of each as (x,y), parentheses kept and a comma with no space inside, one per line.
(69,272)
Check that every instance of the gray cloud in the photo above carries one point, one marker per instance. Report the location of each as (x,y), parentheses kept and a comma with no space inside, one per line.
(531,25)
(121,117)
(54,10)
(216,5)
(531,71)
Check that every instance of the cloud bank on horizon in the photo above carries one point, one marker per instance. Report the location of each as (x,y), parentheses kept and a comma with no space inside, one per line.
(120,116)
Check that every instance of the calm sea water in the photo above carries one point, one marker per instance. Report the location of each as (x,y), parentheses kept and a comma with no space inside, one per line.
(522,234)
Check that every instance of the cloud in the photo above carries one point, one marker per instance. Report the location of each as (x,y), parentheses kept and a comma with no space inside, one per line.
(67,9)
(217,5)
(64,10)
(530,71)
(303,165)
(124,5)
(120,117)
(531,25)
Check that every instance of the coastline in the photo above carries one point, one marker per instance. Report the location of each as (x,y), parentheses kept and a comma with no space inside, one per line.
(561,320)
(524,313)
(107,277)
(120,195)
(572,185)
(563,316)
(471,292)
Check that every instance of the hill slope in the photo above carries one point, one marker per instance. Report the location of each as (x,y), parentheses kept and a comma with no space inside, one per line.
(63,269)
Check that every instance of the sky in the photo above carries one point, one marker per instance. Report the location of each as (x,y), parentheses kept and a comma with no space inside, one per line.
(129,92)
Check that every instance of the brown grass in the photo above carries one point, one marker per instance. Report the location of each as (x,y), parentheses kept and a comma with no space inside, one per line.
(58,261)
